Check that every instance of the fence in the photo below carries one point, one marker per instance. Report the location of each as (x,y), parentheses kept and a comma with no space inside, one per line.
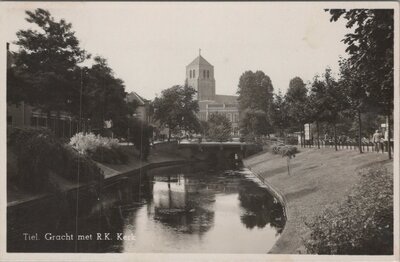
(365,146)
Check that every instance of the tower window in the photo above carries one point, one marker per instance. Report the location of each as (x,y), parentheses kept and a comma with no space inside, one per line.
(208,74)
(204,73)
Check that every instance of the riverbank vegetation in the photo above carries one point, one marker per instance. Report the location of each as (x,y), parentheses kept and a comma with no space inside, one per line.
(36,154)
(360,225)
(101,149)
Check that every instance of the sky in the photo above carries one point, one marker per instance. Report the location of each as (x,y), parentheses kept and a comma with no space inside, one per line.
(148,45)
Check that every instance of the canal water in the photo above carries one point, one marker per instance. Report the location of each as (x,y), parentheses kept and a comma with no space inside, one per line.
(192,208)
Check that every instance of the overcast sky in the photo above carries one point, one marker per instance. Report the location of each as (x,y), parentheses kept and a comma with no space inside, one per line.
(148,45)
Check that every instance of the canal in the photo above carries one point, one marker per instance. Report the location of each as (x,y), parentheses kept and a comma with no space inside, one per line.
(191,208)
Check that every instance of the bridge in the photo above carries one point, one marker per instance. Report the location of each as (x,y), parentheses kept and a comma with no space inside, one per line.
(218,150)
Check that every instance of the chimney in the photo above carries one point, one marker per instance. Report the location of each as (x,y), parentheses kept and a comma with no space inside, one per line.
(8,46)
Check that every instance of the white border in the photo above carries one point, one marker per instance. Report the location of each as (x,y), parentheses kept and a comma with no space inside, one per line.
(191,257)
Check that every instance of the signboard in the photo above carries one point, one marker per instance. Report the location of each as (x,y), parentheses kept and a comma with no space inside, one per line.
(307,131)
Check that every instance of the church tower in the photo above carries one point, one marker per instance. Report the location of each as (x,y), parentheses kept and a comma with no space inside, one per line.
(200,76)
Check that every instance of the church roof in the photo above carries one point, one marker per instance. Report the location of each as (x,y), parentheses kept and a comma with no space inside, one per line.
(135,96)
(226,99)
(199,61)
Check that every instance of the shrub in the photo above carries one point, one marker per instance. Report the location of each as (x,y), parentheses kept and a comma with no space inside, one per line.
(88,170)
(101,149)
(39,153)
(113,155)
(86,143)
(291,140)
(285,151)
(362,224)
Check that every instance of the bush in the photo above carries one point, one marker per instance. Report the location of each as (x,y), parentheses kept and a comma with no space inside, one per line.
(361,225)
(86,143)
(101,149)
(113,155)
(291,140)
(88,170)
(285,151)
(39,153)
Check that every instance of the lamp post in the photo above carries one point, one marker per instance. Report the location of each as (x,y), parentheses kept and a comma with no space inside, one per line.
(80,99)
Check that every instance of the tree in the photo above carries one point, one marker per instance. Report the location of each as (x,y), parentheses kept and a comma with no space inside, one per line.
(46,61)
(177,109)
(279,114)
(327,102)
(370,47)
(103,95)
(219,127)
(297,103)
(255,99)
(353,86)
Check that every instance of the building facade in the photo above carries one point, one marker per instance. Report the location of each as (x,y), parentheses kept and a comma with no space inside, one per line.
(200,76)
(143,110)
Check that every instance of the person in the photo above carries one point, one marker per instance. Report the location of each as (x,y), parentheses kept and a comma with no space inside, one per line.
(376,139)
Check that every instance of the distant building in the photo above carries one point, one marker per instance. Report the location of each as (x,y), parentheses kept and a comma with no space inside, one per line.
(200,76)
(143,110)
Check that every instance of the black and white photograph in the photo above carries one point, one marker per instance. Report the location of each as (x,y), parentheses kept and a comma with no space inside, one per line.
(191,131)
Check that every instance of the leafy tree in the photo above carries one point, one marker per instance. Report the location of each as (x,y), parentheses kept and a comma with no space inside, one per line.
(46,61)
(177,109)
(334,102)
(279,114)
(255,122)
(297,103)
(370,47)
(103,95)
(137,132)
(219,127)
(317,101)
(353,86)
(255,99)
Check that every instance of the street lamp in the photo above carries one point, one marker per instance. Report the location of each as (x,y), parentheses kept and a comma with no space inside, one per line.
(80,99)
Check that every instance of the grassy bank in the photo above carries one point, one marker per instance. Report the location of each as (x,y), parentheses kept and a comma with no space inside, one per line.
(318,178)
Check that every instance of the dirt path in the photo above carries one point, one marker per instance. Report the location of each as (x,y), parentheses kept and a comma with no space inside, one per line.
(319,177)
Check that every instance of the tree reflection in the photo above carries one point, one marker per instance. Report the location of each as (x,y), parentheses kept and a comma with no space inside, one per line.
(183,204)
(260,208)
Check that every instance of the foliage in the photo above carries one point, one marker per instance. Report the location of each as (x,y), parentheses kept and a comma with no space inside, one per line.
(255,99)
(46,61)
(85,143)
(102,149)
(46,74)
(103,95)
(39,153)
(285,151)
(110,155)
(361,225)
(219,128)
(297,102)
(176,108)
(292,140)
(279,114)
(370,47)
(137,132)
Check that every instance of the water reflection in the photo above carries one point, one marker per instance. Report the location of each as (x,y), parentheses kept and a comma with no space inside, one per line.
(191,208)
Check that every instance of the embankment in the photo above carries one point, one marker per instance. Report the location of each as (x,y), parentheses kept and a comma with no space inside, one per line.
(319,177)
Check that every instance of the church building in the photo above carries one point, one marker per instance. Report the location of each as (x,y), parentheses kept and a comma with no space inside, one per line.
(200,76)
